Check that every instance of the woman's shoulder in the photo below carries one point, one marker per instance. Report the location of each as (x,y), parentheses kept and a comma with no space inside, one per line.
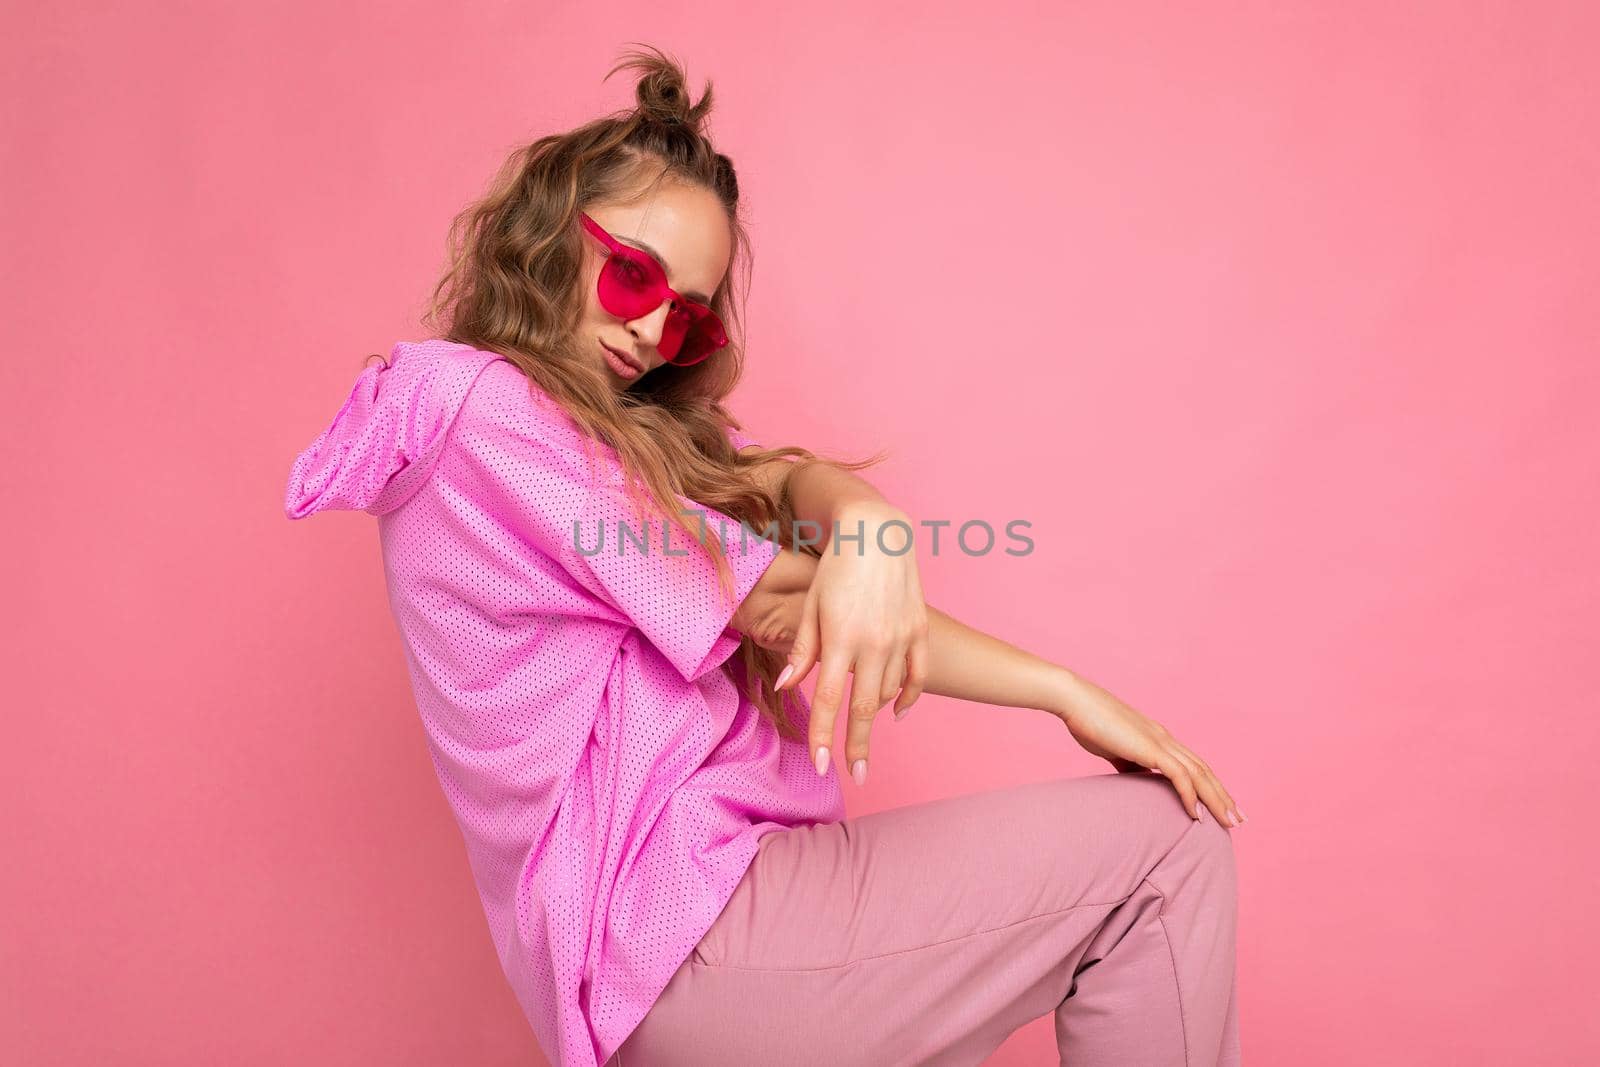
(504,400)
(521,432)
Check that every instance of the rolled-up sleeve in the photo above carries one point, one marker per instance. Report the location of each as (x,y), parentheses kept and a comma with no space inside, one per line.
(529,465)
(664,582)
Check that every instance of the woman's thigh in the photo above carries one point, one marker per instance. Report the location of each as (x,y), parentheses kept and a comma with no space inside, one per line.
(920,934)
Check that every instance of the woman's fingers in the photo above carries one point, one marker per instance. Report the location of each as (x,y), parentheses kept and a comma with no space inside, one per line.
(916,676)
(907,661)
(1178,774)
(916,655)
(825,704)
(916,671)
(866,689)
(807,643)
(1202,783)
(1205,770)
(894,676)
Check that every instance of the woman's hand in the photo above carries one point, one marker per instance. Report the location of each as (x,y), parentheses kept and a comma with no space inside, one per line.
(864,615)
(1110,729)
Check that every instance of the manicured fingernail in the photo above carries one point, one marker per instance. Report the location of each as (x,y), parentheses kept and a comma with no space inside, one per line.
(822,760)
(1233,817)
(858,771)
(1241,816)
(1197,810)
(902,713)
(783,677)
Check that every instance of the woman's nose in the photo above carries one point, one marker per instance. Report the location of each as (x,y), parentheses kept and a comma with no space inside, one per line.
(648,328)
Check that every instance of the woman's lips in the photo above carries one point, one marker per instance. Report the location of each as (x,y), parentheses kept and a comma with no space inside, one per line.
(618,363)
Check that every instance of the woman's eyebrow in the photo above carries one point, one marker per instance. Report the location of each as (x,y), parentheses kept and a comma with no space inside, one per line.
(700,297)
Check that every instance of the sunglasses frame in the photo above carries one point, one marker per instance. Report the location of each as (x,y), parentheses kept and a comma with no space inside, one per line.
(616,297)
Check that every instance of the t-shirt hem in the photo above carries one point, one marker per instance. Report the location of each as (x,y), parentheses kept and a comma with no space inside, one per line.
(746,843)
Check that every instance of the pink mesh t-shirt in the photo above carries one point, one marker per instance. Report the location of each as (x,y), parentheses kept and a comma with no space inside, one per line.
(610,779)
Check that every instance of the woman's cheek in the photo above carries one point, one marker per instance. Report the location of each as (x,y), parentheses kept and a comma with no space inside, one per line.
(774,629)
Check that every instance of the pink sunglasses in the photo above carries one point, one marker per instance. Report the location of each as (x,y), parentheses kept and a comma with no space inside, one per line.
(632,284)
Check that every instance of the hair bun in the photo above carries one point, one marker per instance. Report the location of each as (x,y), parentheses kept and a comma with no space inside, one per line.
(662,90)
(665,103)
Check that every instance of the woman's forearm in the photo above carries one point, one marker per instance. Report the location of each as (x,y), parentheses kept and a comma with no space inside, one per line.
(825,496)
(969,664)
(963,662)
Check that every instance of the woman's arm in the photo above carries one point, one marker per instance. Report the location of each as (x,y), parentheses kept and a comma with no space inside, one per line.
(821,493)
(971,665)
(963,662)
(968,664)
(869,599)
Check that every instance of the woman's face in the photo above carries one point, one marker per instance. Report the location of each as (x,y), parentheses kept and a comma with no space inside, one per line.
(686,229)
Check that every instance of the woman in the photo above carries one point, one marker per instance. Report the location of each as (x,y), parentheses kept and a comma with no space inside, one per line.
(652,812)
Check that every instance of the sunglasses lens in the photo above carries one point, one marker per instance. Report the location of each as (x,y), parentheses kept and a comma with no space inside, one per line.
(698,334)
(628,288)
(631,285)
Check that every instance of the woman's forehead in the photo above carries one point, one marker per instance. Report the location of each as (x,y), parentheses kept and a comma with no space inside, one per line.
(687,233)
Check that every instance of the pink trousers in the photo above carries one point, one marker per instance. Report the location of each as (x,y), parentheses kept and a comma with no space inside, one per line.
(927,934)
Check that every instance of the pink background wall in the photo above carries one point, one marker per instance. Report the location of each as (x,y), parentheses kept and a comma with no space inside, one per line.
(1277,321)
